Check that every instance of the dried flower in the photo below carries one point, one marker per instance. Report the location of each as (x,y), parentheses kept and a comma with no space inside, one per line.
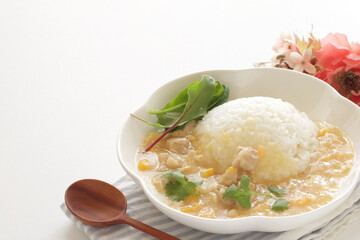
(333,59)
(284,44)
(300,62)
(296,53)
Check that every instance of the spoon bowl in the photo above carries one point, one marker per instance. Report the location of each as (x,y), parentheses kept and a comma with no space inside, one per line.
(100,204)
(96,203)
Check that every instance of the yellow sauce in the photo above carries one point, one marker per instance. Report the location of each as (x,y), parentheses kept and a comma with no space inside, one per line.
(313,188)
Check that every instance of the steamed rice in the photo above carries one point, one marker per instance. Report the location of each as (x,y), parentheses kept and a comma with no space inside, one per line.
(286,136)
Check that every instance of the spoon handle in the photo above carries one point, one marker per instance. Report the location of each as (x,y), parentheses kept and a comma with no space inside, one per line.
(148,229)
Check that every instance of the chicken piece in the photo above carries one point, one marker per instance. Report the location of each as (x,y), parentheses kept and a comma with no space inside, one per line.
(233,213)
(163,157)
(193,157)
(245,158)
(229,176)
(173,163)
(170,161)
(209,185)
(220,192)
(178,145)
(207,213)
(159,182)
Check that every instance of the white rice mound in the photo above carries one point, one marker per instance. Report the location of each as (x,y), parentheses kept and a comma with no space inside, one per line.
(286,135)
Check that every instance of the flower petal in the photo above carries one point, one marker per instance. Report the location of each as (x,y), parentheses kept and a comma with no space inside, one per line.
(351,63)
(296,57)
(353,56)
(330,57)
(307,55)
(299,67)
(309,68)
(355,93)
(355,48)
(337,39)
(288,60)
(323,75)
(278,45)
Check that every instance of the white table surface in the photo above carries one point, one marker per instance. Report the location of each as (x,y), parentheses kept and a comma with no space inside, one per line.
(71,71)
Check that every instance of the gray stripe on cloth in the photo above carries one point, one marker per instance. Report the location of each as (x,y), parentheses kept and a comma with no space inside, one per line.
(140,208)
(145,211)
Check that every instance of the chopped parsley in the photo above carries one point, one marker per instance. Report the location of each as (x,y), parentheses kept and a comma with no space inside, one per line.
(179,187)
(280,205)
(276,191)
(242,194)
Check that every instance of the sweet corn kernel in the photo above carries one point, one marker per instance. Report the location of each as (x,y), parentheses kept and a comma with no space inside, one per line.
(207,173)
(322,132)
(191,199)
(231,171)
(229,176)
(345,170)
(144,165)
(305,201)
(260,150)
(186,170)
(187,210)
(191,138)
(195,207)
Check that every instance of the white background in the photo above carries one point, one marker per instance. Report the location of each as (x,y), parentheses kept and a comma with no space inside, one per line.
(71,71)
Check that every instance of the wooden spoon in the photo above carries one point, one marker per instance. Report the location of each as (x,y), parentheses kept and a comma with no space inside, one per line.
(100,204)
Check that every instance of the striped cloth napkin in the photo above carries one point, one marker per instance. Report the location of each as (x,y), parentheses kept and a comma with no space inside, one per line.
(140,208)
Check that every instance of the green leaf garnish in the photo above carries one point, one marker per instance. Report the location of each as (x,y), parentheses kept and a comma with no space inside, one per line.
(179,187)
(280,205)
(276,191)
(212,93)
(220,96)
(242,193)
(243,198)
(177,104)
(192,103)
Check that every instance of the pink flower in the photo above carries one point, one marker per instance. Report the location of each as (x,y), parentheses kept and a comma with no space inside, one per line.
(333,59)
(355,48)
(300,62)
(284,43)
(340,63)
(337,55)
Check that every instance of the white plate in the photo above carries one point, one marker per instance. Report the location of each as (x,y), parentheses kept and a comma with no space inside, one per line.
(306,93)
